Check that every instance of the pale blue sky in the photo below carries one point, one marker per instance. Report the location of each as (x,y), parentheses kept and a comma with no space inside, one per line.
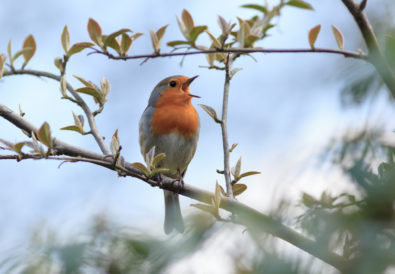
(283,110)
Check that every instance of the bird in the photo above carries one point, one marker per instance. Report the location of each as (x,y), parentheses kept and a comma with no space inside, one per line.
(171,124)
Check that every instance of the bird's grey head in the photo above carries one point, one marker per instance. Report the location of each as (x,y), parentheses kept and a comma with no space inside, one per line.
(156,92)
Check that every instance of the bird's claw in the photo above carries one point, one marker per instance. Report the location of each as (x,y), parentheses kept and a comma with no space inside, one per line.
(180,182)
(158,177)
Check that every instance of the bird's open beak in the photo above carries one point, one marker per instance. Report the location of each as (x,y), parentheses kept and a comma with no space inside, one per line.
(187,83)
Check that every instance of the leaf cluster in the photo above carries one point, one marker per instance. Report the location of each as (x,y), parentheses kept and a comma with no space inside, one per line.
(152,166)
(351,222)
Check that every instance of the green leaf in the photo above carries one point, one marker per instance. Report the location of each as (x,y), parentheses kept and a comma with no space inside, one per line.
(238,189)
(21,113)
(236,169)
(141,167)
(58,62)
(65,39)
(136,35)
(338,37)
(115,143)
(211,112)
(14,147)
(20,53)
(160,32)
(9,52)
(187,20)
(157,159)
(217,196)
(250,40)
(78,47)
(177,43)
(114,44)
(313,34)
(210,59)
(63,86)
(156,38)
(255,7)
(126,42)
(235,70)
(95,32)
(18,147)
(91,91)
(249,173)
(111,37)
(44,135)
(233,147)
(36,146)
(183,29)
(81,119)
(196,31)
(207,208)
(389,50)
(257,27)
(243,32)
(85,82)
(74,128)
(347,247)
(30,44)
(105,86)
(158,170)
(149,156)
(154,41)
(77,120)
(2,63)
(308,200)
(299,4)
(215,41)
(222,191)
(225,26)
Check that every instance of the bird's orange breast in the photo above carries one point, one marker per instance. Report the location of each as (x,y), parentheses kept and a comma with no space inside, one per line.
(175,114)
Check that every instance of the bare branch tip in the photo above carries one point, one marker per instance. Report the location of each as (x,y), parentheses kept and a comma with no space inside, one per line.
(362,5)
(60,165)
(144,61)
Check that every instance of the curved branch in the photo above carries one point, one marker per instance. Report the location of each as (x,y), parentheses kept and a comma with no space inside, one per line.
(375,55)
(91,120)
(244,215)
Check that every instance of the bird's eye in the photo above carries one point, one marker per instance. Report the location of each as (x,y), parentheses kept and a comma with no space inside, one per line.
(173,83)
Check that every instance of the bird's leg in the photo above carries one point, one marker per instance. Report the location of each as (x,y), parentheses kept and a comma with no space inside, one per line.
(158,177)
(180,178)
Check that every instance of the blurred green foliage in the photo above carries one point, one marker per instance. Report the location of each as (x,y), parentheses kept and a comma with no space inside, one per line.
(363,83)
(105,248)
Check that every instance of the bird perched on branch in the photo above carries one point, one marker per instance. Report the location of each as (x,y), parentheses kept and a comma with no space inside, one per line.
(171,124)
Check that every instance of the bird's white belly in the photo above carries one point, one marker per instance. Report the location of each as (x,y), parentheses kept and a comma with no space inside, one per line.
(179,151)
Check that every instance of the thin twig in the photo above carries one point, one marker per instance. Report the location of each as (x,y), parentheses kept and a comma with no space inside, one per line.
(247,216)
(224,127)
(80,102)
(345,53)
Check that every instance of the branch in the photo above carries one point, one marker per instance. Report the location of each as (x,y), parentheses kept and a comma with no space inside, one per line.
(245,215)
(60,146)
(345,53)
(91,120)
(224,127)
(375,55)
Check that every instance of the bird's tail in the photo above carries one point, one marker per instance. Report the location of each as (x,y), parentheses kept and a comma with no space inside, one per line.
(173,217)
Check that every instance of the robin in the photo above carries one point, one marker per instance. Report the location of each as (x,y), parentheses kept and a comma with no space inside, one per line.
(171,124)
